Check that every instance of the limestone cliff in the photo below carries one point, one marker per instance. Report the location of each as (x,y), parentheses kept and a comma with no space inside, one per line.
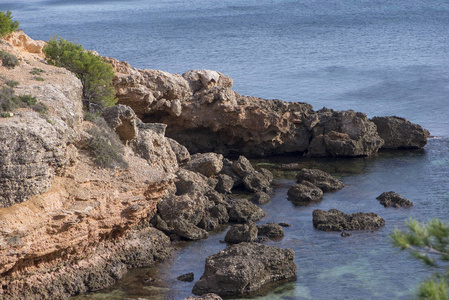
(58,210)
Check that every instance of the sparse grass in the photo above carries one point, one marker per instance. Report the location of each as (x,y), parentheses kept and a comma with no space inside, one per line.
(37,71)
(91,116)
(11,83)
(8,59)
(105,145)
(9,102)
(40,107)
(39,78)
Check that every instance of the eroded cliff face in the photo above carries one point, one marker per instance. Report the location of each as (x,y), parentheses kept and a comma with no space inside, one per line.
(204,114)
(62,218)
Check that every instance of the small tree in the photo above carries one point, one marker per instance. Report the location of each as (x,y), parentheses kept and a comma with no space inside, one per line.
(429,243)
(95,74)
(7,25)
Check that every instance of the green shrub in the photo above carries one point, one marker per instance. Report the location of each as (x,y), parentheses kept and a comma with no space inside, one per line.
(105,146)
(8,59)
(12,83)
(7,25)
(37,71)
(9,101)
(91,116)
(39,78)
(40,107)
(95,74)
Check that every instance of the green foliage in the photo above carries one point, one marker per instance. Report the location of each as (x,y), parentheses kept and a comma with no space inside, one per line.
(9,101)
(429,243)
(37,78)
(12,83)
(7,25)
(8,59)
(37,71)
(105,146)
(40,107)
(91,116)
(95,74)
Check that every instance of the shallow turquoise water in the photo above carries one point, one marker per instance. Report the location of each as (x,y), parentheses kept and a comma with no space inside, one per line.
(380,57)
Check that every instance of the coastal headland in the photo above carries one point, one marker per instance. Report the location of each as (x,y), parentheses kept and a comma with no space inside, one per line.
(69,226)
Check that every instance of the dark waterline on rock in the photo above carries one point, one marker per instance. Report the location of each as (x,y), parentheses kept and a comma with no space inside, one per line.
(376,57)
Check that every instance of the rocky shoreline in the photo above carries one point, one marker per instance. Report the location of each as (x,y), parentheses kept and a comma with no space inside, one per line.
(184,142)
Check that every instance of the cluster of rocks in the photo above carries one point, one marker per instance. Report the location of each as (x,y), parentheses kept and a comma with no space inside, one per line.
(204,114)
(310,186)
(393,199)
(250,232)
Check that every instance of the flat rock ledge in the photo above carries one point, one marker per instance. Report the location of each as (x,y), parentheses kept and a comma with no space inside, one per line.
(335,220)
(245,268)
(393,199)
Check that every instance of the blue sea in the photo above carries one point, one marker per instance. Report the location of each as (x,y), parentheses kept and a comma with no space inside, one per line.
(379,57)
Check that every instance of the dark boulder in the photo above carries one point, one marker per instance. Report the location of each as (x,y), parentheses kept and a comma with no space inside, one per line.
(271,230)
(225,184)
(304,193)
(321,179)
(256,182)
(243,211)
(393,199)
(399,133)
(181,152)
(335,220)
(189,277)
(244,268)
(238,233)
(260,198)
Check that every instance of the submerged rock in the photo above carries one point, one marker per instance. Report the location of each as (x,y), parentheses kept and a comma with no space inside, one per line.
(335,220)
(244,268)
(399,133)
(188,277)
(393,199)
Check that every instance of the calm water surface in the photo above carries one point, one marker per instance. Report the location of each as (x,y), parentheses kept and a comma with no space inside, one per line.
(380,57)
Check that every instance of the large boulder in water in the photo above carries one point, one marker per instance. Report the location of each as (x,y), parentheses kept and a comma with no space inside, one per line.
(335,220)
(321,179)
(238,233)
(243,211)
(244,268)
(399,133)
(343,134)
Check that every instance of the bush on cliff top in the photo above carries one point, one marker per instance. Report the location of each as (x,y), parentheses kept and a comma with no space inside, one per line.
(8,60)
(7,25)
(95,74)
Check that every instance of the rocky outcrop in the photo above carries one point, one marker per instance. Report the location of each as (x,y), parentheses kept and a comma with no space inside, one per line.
(64,219)
(393,199)
(321,179)
(304,193)
(238,233)
(243,211)
(245,268)
(271,230)
(398,133)
(210,296)
(311,183)
(335,220)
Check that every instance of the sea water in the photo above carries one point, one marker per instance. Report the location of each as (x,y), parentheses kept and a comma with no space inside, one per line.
(379,57)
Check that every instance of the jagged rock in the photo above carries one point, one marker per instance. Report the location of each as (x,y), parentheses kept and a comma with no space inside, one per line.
(304,192)
(238,233)
(210,296)
(244,211)
(321,179)
(345,234)
(344,133)
(156,149)
(267,174)
(243,167)
(399,133)
(244,268)
(335,220)
(393,199)
(256,182)
(188,230)
(225,184)
(260,198)
(122,119)
(271,230)
(207,164)
(181,152)
(188,181)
